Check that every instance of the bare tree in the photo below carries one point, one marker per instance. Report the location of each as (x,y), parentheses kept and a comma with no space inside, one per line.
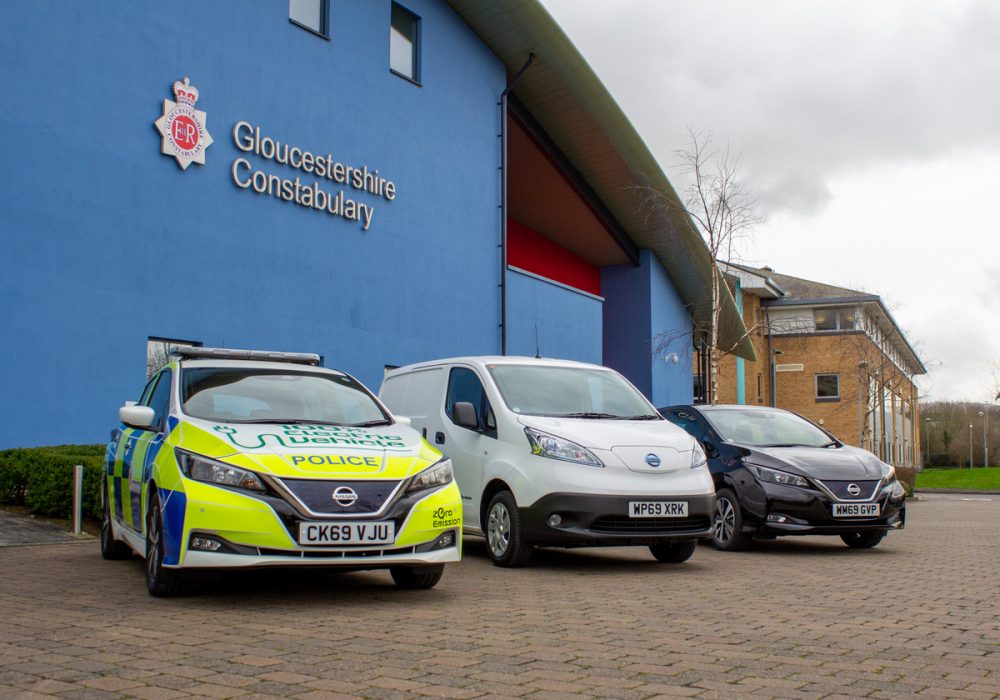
(724,212)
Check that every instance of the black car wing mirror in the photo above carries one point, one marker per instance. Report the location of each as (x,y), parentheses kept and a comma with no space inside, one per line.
(710,450)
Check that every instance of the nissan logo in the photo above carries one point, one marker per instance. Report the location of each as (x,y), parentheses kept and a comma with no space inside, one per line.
(345,496)
(652,460)
(853,489)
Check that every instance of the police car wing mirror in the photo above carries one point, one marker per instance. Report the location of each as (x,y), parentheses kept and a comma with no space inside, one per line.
(404,420)
(136,416)
(465,415)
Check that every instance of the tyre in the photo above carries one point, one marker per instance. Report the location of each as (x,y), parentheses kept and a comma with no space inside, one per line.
(416,578)
(504,536)
(111,548)
(863,540)
(727,530)
(673,553)
(160,581)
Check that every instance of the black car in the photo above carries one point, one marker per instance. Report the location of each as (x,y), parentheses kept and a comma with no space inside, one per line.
(776,473)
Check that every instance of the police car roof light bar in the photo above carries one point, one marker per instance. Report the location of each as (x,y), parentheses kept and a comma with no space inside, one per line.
(191,352)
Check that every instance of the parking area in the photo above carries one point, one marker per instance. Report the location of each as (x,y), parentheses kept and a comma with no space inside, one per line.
(792,618)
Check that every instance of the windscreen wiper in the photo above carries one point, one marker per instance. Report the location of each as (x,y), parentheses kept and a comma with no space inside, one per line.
(370,423)
(644,416)
(788,444)
(588,414)
(291,421)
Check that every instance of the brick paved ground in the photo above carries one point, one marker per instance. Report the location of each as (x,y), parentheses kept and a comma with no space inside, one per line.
(16,531)
(795,618)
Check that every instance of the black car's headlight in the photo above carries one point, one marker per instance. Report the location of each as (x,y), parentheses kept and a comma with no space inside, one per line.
(773,476)
(212,472)
(554,447)
(438,474)
(888,473)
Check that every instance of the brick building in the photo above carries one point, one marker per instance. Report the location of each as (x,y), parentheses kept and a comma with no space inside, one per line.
(833,355)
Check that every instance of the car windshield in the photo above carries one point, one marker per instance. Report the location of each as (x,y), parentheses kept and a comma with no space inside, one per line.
(573,392)
(766,428)
(247,395)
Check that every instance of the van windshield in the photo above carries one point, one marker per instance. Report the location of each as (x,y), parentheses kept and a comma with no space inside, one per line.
(570,392)
(241,395)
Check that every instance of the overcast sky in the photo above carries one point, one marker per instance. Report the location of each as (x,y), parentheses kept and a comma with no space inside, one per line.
(870,133)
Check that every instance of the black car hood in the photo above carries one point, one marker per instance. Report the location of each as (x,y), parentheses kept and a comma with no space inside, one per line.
(832,463)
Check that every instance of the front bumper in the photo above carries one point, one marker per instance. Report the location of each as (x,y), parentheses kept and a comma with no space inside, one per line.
(809,512)
(589,520)
(261,530)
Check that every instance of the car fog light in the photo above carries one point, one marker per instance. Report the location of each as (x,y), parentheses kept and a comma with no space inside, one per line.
(776,518)
(554,520)
(445,540)
(205,544)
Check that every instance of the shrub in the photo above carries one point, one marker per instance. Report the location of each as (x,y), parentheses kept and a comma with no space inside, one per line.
(42,478)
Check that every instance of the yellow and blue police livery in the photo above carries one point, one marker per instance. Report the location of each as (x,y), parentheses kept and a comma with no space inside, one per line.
(247,458)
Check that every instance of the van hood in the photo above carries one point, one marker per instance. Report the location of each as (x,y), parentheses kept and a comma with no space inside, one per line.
(288,449)
(653,446)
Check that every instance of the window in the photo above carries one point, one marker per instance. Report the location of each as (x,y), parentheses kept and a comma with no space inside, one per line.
(464,385)
(760,388)
(159,401)
(404,44)
(840,319)
(309,14)
(687,421)
(828,387)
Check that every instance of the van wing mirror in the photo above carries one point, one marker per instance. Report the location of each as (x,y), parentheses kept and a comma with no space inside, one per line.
(137,416)
(465,415)
(403,420)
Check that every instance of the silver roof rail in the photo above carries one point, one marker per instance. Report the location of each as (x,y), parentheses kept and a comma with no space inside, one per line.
(192,353)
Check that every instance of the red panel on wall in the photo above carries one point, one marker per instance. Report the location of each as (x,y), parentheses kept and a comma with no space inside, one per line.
(533,252)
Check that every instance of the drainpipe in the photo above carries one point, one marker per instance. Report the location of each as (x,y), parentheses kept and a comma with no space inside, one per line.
(503,201)
(772,379)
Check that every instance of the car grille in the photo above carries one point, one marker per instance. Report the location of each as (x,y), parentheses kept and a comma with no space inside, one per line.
(839,489)
(317,495)
(620,524)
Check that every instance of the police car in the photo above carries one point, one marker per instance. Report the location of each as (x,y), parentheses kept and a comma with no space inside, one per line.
(240,458)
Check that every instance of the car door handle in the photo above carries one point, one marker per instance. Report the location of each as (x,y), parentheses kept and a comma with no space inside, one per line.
(439,438)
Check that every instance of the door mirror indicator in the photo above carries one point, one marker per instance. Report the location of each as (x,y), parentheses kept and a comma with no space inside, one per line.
(465,415)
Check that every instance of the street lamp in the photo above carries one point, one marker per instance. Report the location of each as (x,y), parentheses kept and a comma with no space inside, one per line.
(970,444)
(986,435)
(927,434)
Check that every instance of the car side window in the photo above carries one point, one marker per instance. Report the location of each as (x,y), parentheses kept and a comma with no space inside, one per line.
(687,420)
(464,385)
(146,391)
(159,401)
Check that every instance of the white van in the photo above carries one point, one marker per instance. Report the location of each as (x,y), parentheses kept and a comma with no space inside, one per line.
(557,453)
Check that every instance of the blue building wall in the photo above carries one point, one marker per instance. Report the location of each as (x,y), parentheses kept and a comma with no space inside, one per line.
(568,322)
(104,241)
(645,320)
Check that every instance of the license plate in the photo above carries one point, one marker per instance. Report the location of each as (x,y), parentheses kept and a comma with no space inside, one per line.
(855,510)
(347,533)
(657,509)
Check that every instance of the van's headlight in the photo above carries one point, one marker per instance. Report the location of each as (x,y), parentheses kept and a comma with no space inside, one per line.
(438,474)
(208,470)
(545,445)
(774,476)
(698,457)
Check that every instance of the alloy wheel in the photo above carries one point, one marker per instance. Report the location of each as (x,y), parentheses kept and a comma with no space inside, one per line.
(725,520)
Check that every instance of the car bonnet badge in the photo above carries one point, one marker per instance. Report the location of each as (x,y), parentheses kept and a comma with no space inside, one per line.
(853,489)
(653,460)
(345,496)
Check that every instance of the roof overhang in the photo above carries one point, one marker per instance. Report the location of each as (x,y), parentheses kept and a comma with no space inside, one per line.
(567,99)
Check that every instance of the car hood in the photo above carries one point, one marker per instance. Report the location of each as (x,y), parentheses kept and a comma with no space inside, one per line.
(831,463)
(310,451)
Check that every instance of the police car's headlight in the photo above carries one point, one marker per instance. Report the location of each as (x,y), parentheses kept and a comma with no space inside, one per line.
(208,470)
(438,474)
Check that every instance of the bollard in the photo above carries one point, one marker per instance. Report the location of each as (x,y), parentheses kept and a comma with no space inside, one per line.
(77,499)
